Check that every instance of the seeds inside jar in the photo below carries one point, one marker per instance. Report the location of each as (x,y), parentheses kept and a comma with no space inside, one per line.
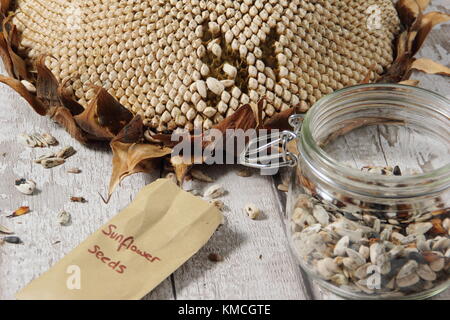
(373,252)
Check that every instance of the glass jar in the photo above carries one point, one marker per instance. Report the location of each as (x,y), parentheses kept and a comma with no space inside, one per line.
(369,198)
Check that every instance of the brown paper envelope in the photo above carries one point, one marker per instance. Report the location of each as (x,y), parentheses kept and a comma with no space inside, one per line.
(134,251)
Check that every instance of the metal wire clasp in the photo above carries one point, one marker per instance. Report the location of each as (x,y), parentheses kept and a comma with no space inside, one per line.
(270,151)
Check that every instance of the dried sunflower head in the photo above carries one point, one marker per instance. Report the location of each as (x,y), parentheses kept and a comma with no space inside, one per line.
(191,63)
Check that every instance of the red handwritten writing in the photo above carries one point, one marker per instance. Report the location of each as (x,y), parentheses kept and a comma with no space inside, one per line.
(100,255)
(127,243)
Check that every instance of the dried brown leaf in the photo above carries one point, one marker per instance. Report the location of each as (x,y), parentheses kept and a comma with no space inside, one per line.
(4,54)
(104,117)
(130,158)
(68,100)
(431,67)
(246,117)
(46,85)
(132,132)
(63,116)
(423,4)
(11,37)
(35,103)
(4,7)
(427,23)
(408,11)
(280,120)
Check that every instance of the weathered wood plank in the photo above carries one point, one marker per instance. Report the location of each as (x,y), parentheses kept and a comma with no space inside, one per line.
(257,262)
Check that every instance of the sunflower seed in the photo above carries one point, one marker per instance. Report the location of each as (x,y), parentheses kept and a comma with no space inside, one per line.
(408,280)
(29,86)
(217,203)
(359,259)
(44,157)
(282,187)
(341,245)
(25,186)
(64,218)
(5,230)
(304,201)
(244,173)
(252,211)
(37,140)
(419,228)
(376,249)
(339,279)
(12,239)
(364,251)
(78,199)
(361,272)
(321,215)
(408,268)
(215,257)
(441,244)
(74,170)
(351,264)
(327,267)
(52,162)
(65,152)
(424,271)
(439,263)
(215,191)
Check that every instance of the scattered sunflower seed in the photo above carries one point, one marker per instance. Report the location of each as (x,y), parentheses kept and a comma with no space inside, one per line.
(5,230)
(252,211)
(19,212)
(217,203)
(64,218)
(52,162)
(245,172)
(78,199)
(283,187)
(55,159)
(37,140)
(12,239)
(29,86)
(215,257)
(213,192)
(44,157)
(74,170)
(65,152)
(200,175)
(25,186)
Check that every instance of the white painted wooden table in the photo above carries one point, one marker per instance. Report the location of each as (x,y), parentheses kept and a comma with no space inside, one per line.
(257,261)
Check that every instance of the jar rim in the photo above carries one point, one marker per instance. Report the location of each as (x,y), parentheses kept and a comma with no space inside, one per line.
(435,180)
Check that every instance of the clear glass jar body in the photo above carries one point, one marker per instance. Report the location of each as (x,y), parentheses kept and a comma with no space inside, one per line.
(373,234)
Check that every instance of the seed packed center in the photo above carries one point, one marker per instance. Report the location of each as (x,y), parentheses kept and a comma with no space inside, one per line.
(191,63)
